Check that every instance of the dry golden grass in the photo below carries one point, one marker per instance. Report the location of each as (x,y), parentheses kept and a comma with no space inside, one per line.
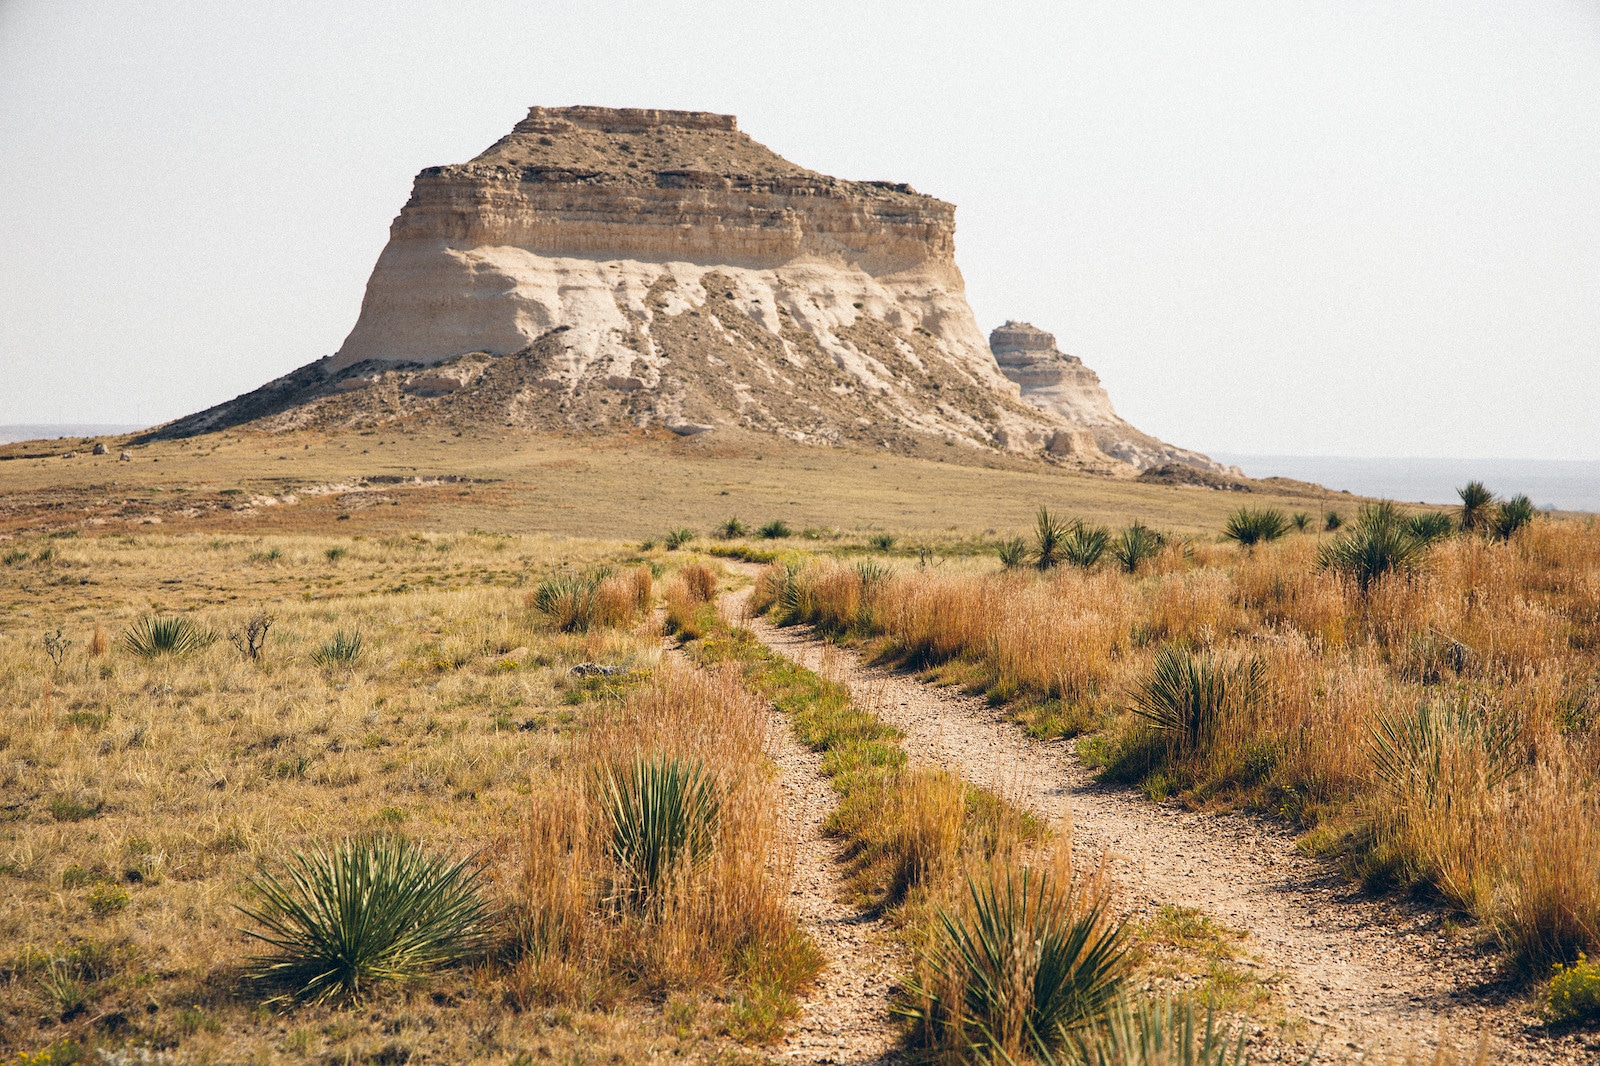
(1497,811)
(613,486)
(720,928)
(140,794)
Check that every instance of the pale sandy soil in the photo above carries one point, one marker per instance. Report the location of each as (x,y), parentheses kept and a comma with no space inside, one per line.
(1356,977)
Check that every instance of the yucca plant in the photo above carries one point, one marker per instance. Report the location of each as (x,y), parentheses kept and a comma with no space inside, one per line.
(873,573)
(1476,504)
(1049,539)
(1332,521)
(1251,526)
(732,528)
(151,636)
(1511,516)
(1301,520)
(341,649)
(776,529)
(1379,544)
(1159,1031)
(1134,545)
(662,816)
(1018,971)
(1013,553)
(1410,752)
(1085,545)
(677,538)
(1429,527)
(882,541)
(371,909)
(1187,696)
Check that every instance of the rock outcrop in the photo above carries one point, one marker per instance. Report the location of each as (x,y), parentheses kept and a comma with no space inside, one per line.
(1059,383)
(602,267)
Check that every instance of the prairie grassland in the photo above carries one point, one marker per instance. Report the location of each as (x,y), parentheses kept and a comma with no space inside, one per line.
(1437,729)
(141,793)
(631,485)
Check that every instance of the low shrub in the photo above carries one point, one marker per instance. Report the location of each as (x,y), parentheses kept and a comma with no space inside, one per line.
(1380,544)
(732,528)
(1084,545)
(1159,1031)
(882,541)
(1429,527)
(677,538)
(1574,993)
(371,909)
(576,603)
(1049,539)
(1477,504)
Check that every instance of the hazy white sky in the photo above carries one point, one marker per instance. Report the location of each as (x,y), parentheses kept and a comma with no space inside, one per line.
(1292,226)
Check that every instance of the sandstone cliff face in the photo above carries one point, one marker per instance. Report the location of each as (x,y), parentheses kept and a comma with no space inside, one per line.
(1059,383)
(606,268)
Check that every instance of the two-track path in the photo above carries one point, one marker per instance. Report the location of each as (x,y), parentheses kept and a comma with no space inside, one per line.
(1358,975)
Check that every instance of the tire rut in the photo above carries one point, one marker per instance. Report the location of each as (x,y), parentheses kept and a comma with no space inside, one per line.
(1355,975)
(845,1018)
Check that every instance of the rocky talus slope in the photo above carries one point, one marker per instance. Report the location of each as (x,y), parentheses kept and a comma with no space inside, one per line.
(602,267)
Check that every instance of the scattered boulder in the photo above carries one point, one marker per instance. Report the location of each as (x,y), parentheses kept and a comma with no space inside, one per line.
(99,447)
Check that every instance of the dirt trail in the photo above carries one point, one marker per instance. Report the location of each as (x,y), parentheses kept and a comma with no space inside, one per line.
(846,1017)
(1359,973)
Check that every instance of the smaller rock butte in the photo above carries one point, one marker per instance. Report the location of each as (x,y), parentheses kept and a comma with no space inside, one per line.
(1060,383)
(612,267)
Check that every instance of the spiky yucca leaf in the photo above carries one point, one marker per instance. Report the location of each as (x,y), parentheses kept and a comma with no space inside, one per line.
(1476,501)
(1028,962)
(662,813)
(1187,696)
(1049,537)
(1084,545)
(371,909)
(1251,526)
(151,636)
(341,649)
(1134,545)
(1013,553)
(1411,753)
(1429,527)
(1379,544)
(1511,516)
(1159,1031)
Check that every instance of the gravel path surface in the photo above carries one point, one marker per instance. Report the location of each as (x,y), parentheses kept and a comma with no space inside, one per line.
(846,1017)
(1353,972)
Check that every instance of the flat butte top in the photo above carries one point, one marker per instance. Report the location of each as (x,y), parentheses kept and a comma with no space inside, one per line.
(650,148)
